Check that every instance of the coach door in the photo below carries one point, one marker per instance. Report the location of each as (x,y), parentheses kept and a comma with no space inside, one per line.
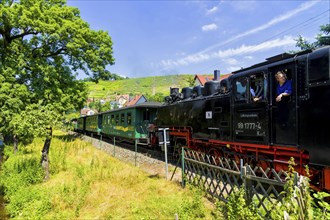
(283,110)
(250,118)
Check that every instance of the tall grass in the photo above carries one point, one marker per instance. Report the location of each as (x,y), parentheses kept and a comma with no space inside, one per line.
(86,183)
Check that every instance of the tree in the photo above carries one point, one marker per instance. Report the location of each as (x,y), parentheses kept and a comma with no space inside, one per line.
(191,80)
(322,39)
(43,43)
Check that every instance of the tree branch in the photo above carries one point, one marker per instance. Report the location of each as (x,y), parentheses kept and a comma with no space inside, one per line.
(57,52)
(25,33)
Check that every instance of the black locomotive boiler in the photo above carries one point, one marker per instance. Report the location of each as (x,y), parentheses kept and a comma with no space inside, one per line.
(224,118)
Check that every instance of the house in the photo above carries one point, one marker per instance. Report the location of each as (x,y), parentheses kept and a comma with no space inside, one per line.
(137,100)
(122,99)
(115,105)
(202,79)
(87,111)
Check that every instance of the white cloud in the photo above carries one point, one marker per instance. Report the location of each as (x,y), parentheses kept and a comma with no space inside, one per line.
(231,61)
(212,10)
(233,68)
(248,57)
(272,22)
(229,53)
(209,27)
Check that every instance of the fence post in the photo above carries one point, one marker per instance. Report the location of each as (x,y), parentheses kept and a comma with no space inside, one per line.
(100,142)
(183,183)
(246,183)
(135,152)
(114,146)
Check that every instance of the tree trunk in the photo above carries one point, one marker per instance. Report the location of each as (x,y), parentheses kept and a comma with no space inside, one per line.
(45,154)
(15,139)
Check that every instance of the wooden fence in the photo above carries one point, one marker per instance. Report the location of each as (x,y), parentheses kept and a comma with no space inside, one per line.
(219,176)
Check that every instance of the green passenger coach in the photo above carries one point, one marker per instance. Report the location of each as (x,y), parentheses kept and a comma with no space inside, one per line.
(93,124)
(80,124)
(129,123)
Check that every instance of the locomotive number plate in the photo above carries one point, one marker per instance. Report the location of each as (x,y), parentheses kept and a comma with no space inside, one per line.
(208,115)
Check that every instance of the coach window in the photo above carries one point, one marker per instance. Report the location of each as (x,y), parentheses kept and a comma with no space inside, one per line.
(122,119)
(240,89)
(129,118)
(109,120)
(146,115)
(117,119)
(112,121)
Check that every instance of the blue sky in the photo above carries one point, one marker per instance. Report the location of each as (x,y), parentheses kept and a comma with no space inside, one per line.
(155,38)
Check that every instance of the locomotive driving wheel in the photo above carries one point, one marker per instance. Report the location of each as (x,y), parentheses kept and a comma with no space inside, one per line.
(216,154)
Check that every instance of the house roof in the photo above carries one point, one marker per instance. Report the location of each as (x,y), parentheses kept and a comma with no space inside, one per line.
(125,96)
(135,100)
(85,111)
(203,79)
(224,76)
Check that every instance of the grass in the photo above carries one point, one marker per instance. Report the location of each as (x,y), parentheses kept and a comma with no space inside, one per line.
(87,183)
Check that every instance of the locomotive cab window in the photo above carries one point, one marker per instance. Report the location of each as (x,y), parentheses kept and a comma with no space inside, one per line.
(258,87)
(240,89)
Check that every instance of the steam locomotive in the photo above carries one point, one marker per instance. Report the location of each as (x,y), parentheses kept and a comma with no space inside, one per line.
(224,119)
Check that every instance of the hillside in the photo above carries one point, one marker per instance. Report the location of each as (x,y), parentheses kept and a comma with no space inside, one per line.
(146,86)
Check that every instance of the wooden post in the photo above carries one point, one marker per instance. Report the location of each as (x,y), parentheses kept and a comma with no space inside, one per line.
(183,183)
(114,146)
(135,151)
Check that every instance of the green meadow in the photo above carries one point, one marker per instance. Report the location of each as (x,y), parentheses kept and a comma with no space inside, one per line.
(87,183)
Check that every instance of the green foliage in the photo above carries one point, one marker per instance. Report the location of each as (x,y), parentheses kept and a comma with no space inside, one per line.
(194,208)
(322,39)
(97,105)
(292,197)
(321,208)
(158,97)
(33,121)
(43,45)
(191,80)
(19,173)
(237,207)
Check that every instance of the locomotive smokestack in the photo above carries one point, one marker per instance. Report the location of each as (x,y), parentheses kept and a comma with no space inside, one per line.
(216,75)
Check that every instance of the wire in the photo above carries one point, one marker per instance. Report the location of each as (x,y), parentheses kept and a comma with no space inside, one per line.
(300,26)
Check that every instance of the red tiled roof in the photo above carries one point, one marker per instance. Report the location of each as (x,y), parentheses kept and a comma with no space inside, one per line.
(224,76)
(134,100)
(202,79)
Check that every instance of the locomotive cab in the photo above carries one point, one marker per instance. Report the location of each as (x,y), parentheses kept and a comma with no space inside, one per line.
(250,108)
